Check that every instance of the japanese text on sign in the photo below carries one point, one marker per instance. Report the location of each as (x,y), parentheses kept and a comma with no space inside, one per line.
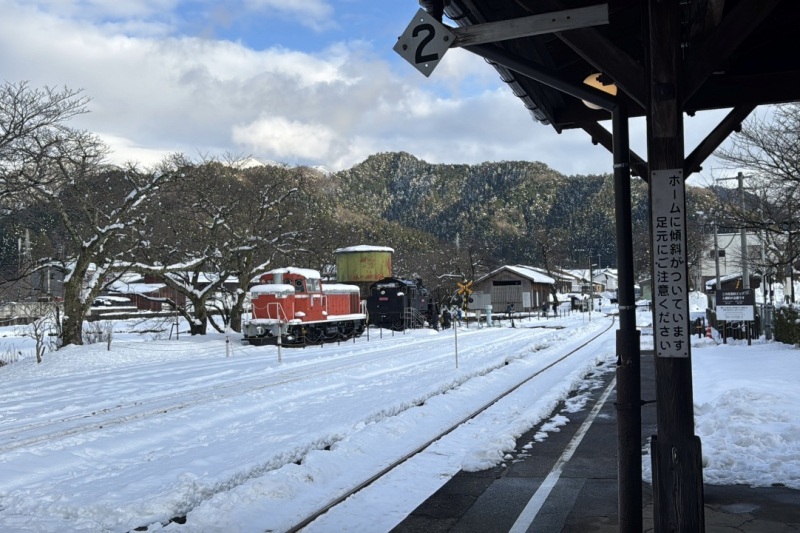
(670,298)
(735,305)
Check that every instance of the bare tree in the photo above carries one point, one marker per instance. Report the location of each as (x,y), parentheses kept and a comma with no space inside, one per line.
(62,169)
(767,151)
(101,210)
(275,215)
(44,323)
(768,145)
(219,225)
(33,126)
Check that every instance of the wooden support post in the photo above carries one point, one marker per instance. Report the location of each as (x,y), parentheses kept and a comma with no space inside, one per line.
(677,471)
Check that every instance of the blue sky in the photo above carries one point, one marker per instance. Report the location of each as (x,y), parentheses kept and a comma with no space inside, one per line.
(311,82)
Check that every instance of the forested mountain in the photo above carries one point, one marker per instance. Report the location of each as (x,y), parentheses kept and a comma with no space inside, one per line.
(506,212)
(443,221)
(511,211)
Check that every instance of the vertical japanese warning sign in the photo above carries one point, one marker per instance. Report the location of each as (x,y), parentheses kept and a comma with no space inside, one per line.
(670,288)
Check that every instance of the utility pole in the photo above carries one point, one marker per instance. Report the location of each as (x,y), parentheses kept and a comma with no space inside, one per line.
(591,289)
(745,272)
(717,286)
(716,257)
(742,231)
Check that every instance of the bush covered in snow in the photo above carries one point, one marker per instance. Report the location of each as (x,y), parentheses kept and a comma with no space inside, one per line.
(787,329)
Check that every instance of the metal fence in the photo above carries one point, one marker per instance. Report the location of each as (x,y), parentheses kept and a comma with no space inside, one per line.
(738,330)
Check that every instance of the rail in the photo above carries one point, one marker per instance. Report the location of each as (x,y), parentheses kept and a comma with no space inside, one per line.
(336,501)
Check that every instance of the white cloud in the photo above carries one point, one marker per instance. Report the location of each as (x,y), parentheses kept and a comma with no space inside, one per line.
(125,150)
(155,92)
(287,140)
(99,9)
(314,14)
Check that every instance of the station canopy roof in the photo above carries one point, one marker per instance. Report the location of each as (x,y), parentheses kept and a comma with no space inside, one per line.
(737,54)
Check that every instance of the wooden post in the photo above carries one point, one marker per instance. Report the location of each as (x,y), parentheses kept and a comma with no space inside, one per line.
(677,470)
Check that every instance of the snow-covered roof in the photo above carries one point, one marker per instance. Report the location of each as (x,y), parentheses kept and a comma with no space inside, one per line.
(130,277)
(525,272)
(363,248)
(722,279)
(272,288)
(339,288)
(305,272)
(558,274)
(135,288)
(203,277)
(608,273)
(115,299)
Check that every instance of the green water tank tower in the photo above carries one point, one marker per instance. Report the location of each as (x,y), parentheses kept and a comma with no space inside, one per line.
(363,265)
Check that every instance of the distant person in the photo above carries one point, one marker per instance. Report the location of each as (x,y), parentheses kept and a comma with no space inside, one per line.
(446,319)
(434,314)
(458,316)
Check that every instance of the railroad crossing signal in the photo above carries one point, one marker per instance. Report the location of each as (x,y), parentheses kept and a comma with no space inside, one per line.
(465,288)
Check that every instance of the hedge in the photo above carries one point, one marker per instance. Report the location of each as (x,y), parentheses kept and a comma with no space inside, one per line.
(786,326)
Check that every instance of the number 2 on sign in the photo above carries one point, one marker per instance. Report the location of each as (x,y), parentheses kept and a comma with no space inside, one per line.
(419,56)
(424,42)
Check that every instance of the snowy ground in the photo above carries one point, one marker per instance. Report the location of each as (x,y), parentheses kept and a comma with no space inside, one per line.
(110,440)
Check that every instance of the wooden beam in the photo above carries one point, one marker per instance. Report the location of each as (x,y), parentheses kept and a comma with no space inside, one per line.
(490,32)
(627,74)
(709,55)
(714,139)
(720,92)
(603,137)
(541,74)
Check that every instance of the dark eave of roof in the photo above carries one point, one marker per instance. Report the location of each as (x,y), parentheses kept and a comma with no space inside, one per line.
(738,54)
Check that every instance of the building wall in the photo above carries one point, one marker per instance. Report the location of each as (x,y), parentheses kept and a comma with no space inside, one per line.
(730,261)
(507,288)
(730,244)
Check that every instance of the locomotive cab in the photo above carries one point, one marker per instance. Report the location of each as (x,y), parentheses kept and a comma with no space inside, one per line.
(397,303)
(290,305)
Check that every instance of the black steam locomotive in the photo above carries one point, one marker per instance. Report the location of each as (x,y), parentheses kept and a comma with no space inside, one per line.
(398,304)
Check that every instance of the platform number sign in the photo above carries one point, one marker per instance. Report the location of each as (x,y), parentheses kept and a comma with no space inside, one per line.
(424,42)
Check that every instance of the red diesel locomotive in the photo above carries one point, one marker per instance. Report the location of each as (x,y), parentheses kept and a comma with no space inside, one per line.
(293,306)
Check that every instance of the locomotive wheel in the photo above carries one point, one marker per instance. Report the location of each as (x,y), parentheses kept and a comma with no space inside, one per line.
(347,331)
(314,336)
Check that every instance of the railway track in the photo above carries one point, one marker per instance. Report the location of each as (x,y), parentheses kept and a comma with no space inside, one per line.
(330,505)
(13,437)
(251,422)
